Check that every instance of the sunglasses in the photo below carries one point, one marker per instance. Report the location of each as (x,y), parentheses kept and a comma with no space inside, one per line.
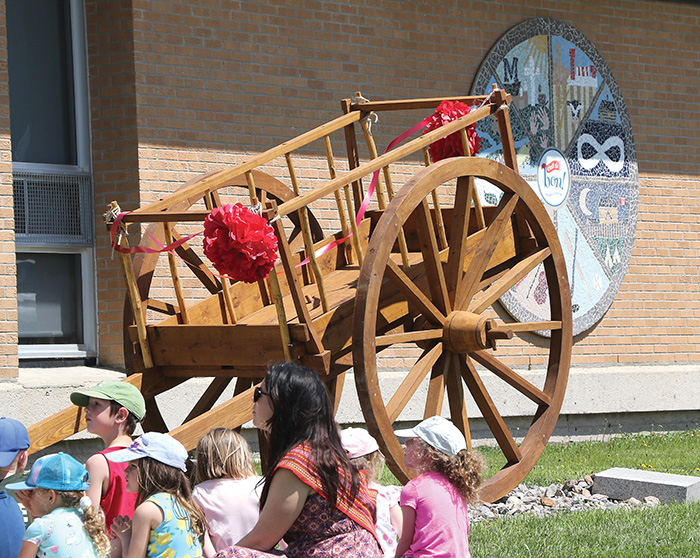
(258,393)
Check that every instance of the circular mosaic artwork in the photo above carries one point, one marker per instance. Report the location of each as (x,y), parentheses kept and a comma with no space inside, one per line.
(565,98)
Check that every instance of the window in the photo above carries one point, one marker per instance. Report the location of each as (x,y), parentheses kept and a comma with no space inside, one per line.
(51,177)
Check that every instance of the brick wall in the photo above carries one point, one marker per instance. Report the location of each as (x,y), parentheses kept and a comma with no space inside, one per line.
(115,156)
(8,268)
(211,83)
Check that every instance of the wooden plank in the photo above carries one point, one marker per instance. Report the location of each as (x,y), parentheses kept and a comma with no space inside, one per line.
(436,388)
(414,295)
(455,398)
(413,104)
(63,424)
(534,326)
(232,344)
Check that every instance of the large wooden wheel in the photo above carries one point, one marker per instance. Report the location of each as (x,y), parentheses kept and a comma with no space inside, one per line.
(154,382)
(436,314)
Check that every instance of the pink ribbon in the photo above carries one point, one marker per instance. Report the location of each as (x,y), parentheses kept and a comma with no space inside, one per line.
(370,191)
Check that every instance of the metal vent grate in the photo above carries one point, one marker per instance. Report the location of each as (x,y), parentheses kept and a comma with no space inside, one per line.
(53,208)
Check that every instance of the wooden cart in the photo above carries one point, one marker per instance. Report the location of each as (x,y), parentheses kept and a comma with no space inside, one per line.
(416,281)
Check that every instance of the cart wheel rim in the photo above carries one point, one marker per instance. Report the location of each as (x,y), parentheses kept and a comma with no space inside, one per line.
(454,332)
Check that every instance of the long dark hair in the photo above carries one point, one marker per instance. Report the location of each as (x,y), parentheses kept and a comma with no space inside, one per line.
(302,412)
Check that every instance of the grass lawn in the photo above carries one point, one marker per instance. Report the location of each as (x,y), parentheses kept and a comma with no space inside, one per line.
(661,532)
(677,453)
(664,531)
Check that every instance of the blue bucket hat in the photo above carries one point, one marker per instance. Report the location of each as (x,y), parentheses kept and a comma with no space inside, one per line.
(57,471)
(158,446)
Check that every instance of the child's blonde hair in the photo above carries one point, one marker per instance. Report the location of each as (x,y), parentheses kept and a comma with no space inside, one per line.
(154,477)
(93,519)
(223,453)
(462,470)
(372,464)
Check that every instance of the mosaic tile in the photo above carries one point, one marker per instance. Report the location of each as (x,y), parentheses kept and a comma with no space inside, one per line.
(565,97)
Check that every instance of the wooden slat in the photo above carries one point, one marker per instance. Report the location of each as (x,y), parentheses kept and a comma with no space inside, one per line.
(175,276)
(387,158)
(490,240)
(197,266)
(222,178)
(504,127)
(486,298)
(412,104)
(488,410)
(431,258)
(162,307)
(314,345)
(511,377)
(188,345)
(410,383)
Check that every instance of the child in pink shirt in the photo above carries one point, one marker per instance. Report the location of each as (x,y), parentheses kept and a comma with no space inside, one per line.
(227,490)
(434,504)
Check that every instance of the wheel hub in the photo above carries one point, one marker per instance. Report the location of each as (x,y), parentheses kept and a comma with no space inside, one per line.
(465,332)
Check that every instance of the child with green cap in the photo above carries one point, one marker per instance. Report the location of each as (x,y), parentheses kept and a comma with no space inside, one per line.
(112,410)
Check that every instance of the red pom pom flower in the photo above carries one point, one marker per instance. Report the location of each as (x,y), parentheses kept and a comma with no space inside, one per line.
(451,146)
(239,243)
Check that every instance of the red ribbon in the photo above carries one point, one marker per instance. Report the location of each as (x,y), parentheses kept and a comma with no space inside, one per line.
(323,250)
(143,249)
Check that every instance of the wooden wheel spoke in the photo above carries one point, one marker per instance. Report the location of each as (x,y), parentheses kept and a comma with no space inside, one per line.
(489,241)
(411,382)
(483,300)
(488,409)
(413,294)
(432,261)
(198,267)
(458,236)
(455,396)
(511,377)
(534,326)
(436,388)
(409,337)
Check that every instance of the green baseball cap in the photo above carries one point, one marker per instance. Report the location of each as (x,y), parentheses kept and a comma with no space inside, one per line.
(124,393)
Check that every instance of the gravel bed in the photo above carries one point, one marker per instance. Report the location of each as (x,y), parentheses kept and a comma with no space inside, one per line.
(571,496)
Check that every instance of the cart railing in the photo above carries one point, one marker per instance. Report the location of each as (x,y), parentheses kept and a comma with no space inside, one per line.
(347,193)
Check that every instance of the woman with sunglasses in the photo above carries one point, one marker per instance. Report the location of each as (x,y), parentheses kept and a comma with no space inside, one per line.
(312,496)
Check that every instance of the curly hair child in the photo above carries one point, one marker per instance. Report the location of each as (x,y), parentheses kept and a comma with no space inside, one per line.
(434,504)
